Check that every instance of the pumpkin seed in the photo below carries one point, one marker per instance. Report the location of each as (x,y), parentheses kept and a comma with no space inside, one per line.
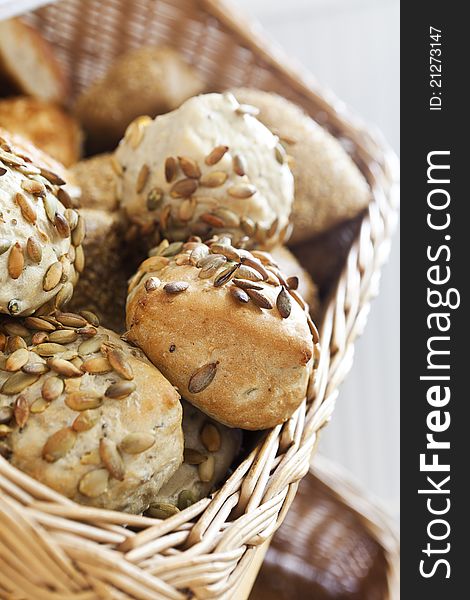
(65,199)
(256,265)
(92,344)
(83,400)
(193,457)
(90,317)
(5,430)
(17,360)
(64,367)
(225,275)
(90,458)
(37,368)
(78,234)
(112,459)
(229,252)
(172,249)
(38,406)
(59,444)
(18,382)
(212,265)
(13,343)
(171,167)
(198,253)
(135,443)
(39,324)
(94,483)
(97,365)
(213,179)
(52,277)
(212,220)
(70,319)
(50,206)
(64,295)
(247,273)
(120,390)
(242,190)
(183,188)
(248,226)
(51,176)
(186,498)
(27,210)
(85,420)
(239,294)
(21,411)
(162,510)
(189,167)
(16,328)
(210,437)
(15,261)
(79,262)
(62,225)
(239,165)
(258,299)
(119,364)
(52,388)
(215,155)
(6,414)
(202,378)
(4,245)
(63,336)
(48,349)
(206,469)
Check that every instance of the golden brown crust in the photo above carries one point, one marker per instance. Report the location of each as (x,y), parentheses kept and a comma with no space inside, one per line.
(145,81)
(45,125)
(69,427)
(28,63)
(97,181)
(329,188)
(241,364)
(102,288)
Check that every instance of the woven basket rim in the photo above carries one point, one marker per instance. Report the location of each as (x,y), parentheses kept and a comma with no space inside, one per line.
(165,558)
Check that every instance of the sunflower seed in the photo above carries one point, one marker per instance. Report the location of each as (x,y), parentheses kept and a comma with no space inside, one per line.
(65,199)
(18,382)
(165,216)
(239,294)
(193,457)
(59,444)
(17,360)
(161,510)
(175,287)
(202,378)
(70,319)
(64,295)
(52,177)
(37,368)
(90,317)
(225,276)
(246,284)
(4,245)
(259,299)
(86,420)
(239,165)
(256,265)
(21,411)
(63,336)
(112,459)
(183,188)
(171,167)
(48,349)
(78,234)
(52,277)
(6,414)
(90,458)
(242,190)
(119,363)
(135,443)
(284,303)
(152,284)
(229,217)
(206,469)
(83,400)
(62,225)
(52,388)
(120,390)
(210,437)
(213,179)
(28,212)
(198,253)
(212,220)
(64,367)
(94,483)
(248,226)
(142,178)
(215,155)
(15,261)
(91,345)
(187,209)
(247,109)
(172,249)
(38,324)
(229,252)
(79,259)
(96,365)
(189,167)
(212,266)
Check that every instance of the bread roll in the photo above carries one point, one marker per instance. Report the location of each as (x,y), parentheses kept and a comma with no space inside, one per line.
(85,413)
(289,265)
(45,124)
(209,450)
(40,239)
(329,188)
(28,64)
(102,287)
(97,181)
(146,81)
(209,166)
(222,329)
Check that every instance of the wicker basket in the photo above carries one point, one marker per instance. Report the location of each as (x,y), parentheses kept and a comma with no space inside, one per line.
(51,548)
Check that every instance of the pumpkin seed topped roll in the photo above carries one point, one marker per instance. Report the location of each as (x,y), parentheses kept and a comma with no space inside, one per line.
(209,167)
(85,413)
(40,234)
(225,327)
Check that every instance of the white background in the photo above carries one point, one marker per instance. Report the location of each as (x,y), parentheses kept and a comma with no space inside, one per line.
(352,46)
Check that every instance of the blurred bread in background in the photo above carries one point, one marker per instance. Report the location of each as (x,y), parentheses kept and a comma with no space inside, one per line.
(28,65)
(147,81)
(44,124)
(97,181)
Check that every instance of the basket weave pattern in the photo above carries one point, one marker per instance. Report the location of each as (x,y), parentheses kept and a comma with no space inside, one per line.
(51,548)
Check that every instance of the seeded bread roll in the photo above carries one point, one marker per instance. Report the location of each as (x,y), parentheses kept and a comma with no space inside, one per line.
(217,322)
(45,124)
(102,287)
(85,413)
(40,239)
(208,167)
(97,181)
(329,188)
(301,280)
(209,450)
(28,65)
(146,81)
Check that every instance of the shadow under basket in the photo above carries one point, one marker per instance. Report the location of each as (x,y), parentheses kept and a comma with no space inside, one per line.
(52,548)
